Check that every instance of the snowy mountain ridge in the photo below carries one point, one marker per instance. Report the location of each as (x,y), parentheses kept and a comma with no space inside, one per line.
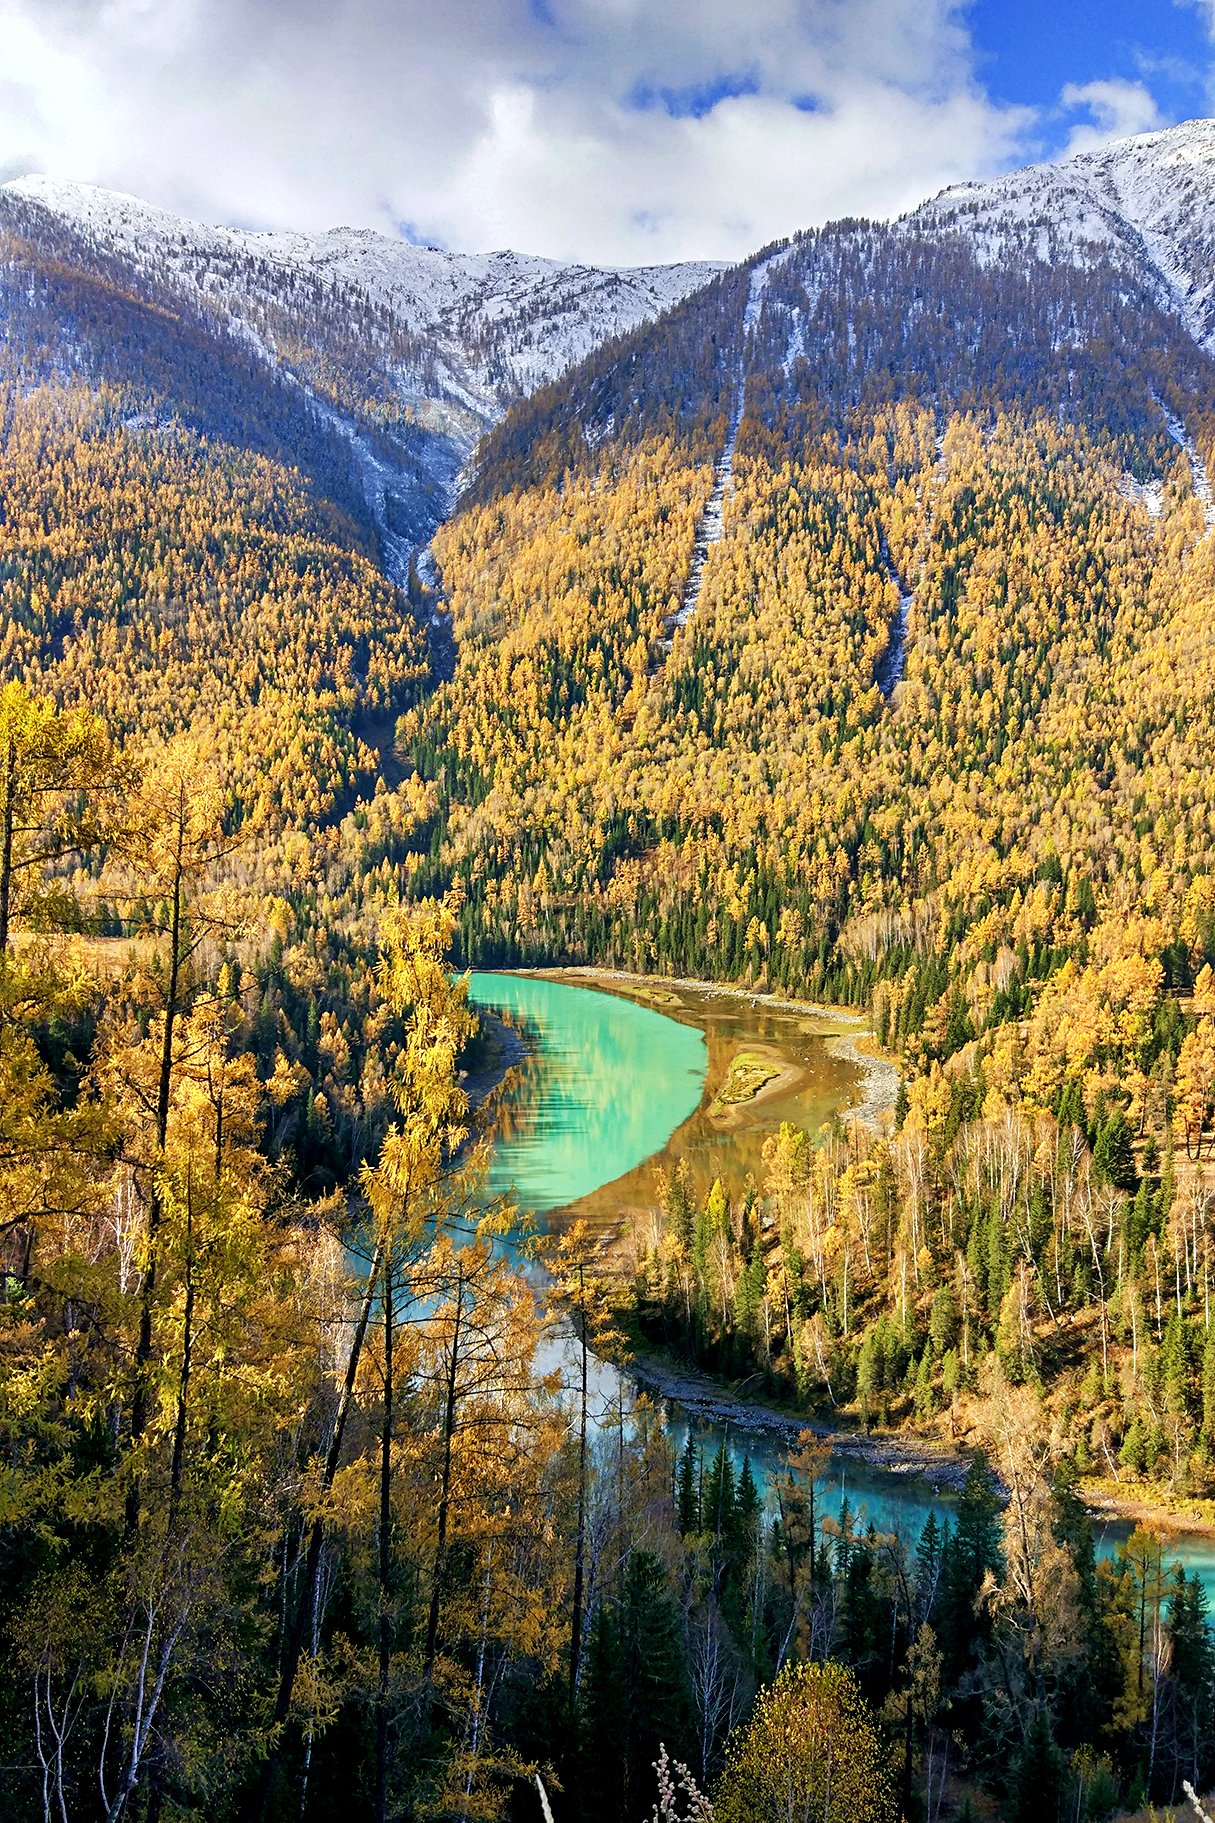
(1147,203)
(499,324)
(404,355)
(407,352)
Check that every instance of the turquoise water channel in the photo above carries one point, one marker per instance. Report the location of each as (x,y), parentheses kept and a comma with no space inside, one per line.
(606,1085)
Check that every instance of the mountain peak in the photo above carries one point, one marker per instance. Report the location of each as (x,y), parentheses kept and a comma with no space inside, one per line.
(1146,202)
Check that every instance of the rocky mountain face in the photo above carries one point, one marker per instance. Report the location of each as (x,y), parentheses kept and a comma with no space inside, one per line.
(1085,287)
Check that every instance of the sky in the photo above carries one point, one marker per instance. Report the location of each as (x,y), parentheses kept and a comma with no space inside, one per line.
(611,131)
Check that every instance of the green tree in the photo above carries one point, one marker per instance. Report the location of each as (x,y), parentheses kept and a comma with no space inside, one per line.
(687,1489)
(945,1322)
(925,1392)
(970,1552)
(1038,1776)
(634,1694)
(1208,1389)
(1113,1156)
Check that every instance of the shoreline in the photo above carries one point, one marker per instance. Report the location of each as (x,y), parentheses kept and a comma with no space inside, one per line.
(713,990)
(1136,1510)
(943,1467)
(940,1464)
(879,1085)
(481,1085)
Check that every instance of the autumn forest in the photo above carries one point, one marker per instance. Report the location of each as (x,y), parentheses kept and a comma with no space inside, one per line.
(304,1505)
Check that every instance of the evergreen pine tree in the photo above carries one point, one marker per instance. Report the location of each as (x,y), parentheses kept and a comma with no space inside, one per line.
(1037,1782)
(1208,1389)
(1113,1157)
(969,1551)
(928,1567)
(1193,1677)
(925,1392)
(687,1489)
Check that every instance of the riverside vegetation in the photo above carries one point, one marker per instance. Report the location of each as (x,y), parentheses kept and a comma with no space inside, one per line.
(291,1511)
(291,1518)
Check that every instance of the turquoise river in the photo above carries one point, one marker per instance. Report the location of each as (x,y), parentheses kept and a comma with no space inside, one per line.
(610,1084)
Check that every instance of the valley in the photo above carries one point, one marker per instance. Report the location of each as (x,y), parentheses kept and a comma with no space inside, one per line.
(783,691)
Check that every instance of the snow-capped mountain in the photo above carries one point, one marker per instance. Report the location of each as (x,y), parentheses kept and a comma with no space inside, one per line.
(406,352)
(1147,203)
(396,358)
(495,325)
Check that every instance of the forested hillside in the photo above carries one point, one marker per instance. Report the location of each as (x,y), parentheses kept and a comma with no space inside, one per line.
(973,443)
(390,358)
(932,740)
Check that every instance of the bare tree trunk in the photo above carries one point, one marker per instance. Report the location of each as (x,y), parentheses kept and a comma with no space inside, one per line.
(177,1468)
(385,1641)
(143,1345)
(580,1537)
(449,1425)
(316,1538)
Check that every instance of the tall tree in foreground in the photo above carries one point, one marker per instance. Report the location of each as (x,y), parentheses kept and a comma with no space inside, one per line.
(53,766)
(400,1194)
(56,768)
(174,840)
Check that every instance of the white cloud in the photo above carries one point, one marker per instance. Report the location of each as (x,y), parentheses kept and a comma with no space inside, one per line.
(582,128)
(1117,109)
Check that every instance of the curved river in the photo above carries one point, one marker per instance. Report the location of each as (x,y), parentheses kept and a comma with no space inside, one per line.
(610,1088)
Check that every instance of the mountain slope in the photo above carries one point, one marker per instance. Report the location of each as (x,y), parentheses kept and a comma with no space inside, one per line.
(1147,203)
(407,351)
(970,456)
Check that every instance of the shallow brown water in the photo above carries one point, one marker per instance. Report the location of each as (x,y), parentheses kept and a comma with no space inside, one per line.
(728,1143)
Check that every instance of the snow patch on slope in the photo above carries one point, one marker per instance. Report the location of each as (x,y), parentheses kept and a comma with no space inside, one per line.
(712,522)
(1198,469)
(1147,494)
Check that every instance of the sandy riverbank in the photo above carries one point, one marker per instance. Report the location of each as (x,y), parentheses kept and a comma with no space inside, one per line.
(879,1082)
(1139,1507)
(879,1077)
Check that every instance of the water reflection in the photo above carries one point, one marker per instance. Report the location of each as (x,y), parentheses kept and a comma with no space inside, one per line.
(605,1086)
(622,1079)
(891,1500)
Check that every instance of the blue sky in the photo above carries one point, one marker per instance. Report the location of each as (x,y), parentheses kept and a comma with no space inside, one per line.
(613,131)
(1031,51)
